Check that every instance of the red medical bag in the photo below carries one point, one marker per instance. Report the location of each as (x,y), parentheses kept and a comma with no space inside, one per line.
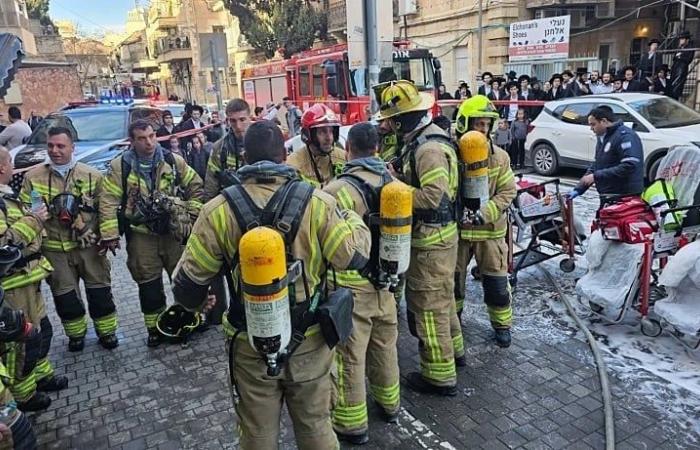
(629,220)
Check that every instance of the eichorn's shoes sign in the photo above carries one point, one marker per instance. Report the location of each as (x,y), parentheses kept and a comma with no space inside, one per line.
(540,39)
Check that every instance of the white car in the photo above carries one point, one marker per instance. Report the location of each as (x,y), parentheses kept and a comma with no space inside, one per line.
(296,143)
(561,137)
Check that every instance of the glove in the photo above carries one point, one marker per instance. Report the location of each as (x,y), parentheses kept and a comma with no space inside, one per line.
(110,244)
(181,222)
(476,218)
(84,234)
(572,194)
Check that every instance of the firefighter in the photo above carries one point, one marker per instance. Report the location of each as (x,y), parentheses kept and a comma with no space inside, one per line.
(157,196)
(225,159)
(485,238)
(22,292)
(429,164)
(318,234)
(322,158)
(372,346)
(72,192)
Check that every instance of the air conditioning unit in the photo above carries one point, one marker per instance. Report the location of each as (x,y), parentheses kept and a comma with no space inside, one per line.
(408,7)
(605,10)
(578,18)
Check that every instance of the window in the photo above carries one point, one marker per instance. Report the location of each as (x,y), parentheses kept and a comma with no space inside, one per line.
(664,112)
(217,29)
(604,57)
(461,64)
(318,80)
(304,83)
(636,51)
(625,116)
(576,114)
(359,80)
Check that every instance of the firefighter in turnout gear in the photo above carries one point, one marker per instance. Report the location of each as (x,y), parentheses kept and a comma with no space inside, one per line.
(429,164)
(322,158)
(315,234)
(157,196)
(484,238)
(371,349)
(72,191)
(227,153)
(22,292)
(225,160)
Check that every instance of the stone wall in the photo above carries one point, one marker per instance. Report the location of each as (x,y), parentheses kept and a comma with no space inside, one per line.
(44,89)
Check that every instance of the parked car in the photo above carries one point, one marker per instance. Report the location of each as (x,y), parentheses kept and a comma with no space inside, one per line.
(561,137)
(99,132)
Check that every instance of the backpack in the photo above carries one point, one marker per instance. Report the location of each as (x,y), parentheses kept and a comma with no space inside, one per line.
(370,195)
(123,223)
(283,212)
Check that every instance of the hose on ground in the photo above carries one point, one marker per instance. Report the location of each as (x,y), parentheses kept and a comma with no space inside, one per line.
(600,363)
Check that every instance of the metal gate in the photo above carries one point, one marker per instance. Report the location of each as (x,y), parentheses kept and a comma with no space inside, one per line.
(545,69)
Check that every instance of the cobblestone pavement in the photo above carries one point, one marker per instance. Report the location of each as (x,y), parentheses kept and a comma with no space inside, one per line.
(541,393)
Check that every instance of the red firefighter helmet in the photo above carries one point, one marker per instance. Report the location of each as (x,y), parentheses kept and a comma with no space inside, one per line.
(317,116)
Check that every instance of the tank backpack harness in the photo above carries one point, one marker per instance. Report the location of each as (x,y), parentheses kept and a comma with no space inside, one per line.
(227,176)
(371,195)
(123,223)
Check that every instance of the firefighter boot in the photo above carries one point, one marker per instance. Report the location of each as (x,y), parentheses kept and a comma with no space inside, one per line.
(152,297)
(498,303)
(354,439)
(72,313)
(502,337)
(53,384)
(419,384)
(104,316)
(38,402)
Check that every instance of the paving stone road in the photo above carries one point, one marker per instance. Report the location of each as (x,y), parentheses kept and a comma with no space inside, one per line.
(541,393)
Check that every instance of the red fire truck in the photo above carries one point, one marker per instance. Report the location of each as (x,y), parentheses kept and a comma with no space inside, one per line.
(324,76)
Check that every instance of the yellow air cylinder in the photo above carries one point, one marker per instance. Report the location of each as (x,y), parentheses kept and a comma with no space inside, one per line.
(474,153)
(395,218)
(263,266)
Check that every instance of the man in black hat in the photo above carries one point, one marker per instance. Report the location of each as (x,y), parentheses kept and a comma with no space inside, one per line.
(650,62)
(679,68)
(557,92)
(525,92)
(485,88)
(617,85)
(497,93)
(630,84)
(580,84)
(166,129)
(661,84)
(567,78)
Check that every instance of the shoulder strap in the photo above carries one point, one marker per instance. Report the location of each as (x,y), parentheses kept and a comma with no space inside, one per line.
(126,171)
(369,193)
(170,159)
(244,208)
(3,206)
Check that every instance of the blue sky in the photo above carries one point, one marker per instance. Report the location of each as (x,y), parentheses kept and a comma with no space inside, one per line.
(93,15)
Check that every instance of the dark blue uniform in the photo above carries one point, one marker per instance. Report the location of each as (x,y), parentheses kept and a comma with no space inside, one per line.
(618,168)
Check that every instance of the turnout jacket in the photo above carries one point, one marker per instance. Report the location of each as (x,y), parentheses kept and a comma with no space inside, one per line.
(317,170)
(325,236)
(82,181)
(232,147)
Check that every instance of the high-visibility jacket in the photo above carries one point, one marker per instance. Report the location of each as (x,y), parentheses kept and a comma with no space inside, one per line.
(232,147)
(502,190)
(317,170)
(325,236)
(82,181)
(24,230)
(189,189)
(431,168)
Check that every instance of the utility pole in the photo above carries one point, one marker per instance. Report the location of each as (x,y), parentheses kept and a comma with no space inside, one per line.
(481,37)
(217,84)
(372,49)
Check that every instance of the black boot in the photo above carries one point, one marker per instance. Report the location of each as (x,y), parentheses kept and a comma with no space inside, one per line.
(503,337)
(354,438)
(461,361)
(154,338)
(52,384)
(389,417)
(38,402)
(109,341)
(76,344)
(419,384)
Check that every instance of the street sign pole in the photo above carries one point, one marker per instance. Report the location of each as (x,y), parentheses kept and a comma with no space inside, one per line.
(372,49)
(217,84)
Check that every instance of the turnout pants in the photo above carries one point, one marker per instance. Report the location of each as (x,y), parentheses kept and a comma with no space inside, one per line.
(431,311)
(29,299)
(304,385)
(147,256)
(370,350)
(69,268)
(492,260)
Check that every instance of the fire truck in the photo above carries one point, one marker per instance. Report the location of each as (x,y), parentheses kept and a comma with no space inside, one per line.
(324,76)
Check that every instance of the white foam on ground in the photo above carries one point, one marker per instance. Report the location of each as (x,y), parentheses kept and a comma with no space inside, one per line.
(426,438)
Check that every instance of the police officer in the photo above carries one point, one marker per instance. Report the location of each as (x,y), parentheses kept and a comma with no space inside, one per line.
(429,163)
(325,235)
(485,238)
(22,292)
(321,158)
(227,154)
(618,167)
(72,191)
(158,196)
(371,349)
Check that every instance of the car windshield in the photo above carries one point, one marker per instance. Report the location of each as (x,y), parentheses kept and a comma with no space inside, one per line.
(106,126)
(664,112)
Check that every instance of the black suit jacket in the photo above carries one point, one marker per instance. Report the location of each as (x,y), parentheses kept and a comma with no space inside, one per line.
(647,66)
(633,86)
(551,95)
(501,95)
(162,131)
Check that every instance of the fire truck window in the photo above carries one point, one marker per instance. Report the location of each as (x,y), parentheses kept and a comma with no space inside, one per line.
(358,82)
(304,84)
(318,80)
(416,70)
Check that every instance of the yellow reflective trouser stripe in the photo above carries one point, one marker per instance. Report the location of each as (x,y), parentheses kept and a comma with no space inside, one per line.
(435,369)
(201,255)
(443,234)
(59,246)
(23,389)
(500,317)
(27,232)
(350,278)
(387,396)
(150,319)
(106,325)
(458,345)
(111,187)
(76,327)
(43,369)
(340,366)
(344,199)
(21,279)
(474,235)
(432,175)
(347,417)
